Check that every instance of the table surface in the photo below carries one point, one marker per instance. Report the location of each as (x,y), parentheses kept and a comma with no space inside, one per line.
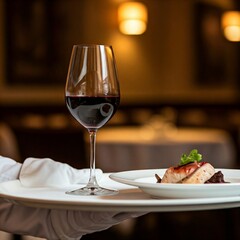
(126,148)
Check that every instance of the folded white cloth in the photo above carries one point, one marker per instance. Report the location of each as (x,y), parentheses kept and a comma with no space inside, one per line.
(9,169)
(45,172)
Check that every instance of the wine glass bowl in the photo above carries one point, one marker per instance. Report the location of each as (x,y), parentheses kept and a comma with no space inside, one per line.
(92,96)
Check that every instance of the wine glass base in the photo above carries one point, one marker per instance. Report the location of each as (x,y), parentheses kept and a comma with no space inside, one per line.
(93,191)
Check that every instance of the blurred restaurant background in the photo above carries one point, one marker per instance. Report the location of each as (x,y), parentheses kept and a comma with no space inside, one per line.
(180,89)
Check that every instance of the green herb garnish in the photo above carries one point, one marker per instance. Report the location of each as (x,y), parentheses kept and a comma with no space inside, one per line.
(193,156)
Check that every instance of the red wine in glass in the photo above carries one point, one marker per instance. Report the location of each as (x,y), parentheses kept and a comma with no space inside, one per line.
(92,112)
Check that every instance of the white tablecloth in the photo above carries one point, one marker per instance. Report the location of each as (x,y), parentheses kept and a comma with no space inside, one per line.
(126,148)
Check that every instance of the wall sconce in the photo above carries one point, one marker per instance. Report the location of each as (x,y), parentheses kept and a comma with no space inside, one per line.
(132,18)
(231,25)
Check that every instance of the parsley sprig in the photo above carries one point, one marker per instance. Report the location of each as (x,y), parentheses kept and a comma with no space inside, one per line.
(193,156)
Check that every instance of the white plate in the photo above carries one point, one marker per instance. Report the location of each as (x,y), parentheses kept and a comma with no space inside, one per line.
(146,181)
(129,199)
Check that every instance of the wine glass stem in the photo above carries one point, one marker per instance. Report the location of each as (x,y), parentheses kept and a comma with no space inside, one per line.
(92,179)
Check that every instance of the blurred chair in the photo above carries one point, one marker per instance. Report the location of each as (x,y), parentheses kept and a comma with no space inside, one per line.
(8,143)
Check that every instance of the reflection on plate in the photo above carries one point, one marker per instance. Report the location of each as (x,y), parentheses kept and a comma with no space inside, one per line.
(146,181)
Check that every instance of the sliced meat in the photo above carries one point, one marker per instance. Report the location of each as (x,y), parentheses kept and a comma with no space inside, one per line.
(200,175)
(177,174)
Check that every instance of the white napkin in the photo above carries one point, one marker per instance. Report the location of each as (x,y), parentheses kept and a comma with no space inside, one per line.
(46,172)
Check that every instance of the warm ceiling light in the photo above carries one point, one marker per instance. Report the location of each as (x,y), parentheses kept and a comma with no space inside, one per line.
(231,25)
(132,18)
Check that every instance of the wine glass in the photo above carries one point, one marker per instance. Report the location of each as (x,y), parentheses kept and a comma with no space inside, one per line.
(92,96)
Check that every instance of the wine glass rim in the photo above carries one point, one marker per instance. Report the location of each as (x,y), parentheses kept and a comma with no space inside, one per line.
(91,45)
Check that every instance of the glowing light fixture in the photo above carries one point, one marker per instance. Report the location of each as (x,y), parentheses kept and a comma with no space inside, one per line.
(132,18)
(231,25)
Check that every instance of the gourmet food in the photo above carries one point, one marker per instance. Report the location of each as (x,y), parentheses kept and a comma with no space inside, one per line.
(191,171)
